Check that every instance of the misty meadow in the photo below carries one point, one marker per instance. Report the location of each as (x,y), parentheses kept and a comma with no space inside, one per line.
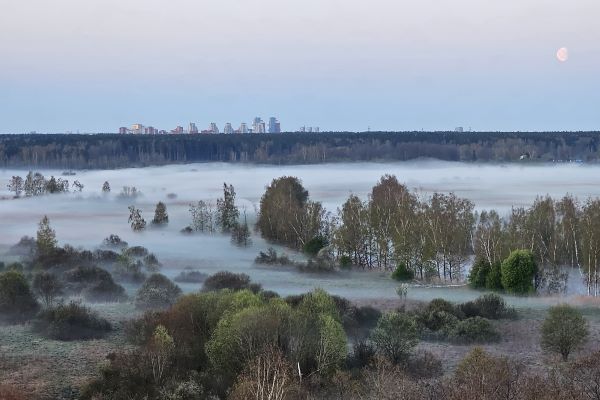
(357,280)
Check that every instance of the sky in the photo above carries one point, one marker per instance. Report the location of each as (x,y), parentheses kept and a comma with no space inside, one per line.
(96,65)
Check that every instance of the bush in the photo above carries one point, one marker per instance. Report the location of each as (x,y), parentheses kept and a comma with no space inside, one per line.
(489,306)
(474,330)
(314,245)
(136,251)
(94,283)
(115,241)
(47,287)
(151,263)
(272,258)
(363,353)
(71,322)
(563,330)
(518,272)
(438,321)
(493,281)
(129,271)
(190,276)
(424,365)
(157,292)
(401,273)
(17,302)
(229,280)
(479,272)
(345,262)
(395,336)
(443,305)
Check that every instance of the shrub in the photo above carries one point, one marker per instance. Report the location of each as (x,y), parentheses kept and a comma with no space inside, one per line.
(47,287)
(157,292)
(17,302)
(229,280)
(490,306)
(564,330)
(345,262)
(115,241)
(151,263)
(136,251)
(402,273)
(424,365)
(518,272)
(493,281)
(395,336)
(71,322)
(272,258)
(443,305)
(474,330)
(129,271)
(479,272)
(190,276)
(438,321)
(94,283)
(314,245)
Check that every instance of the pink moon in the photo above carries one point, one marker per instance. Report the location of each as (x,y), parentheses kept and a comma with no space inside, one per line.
(562,54)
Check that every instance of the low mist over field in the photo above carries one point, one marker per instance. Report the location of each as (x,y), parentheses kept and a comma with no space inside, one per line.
(86,218)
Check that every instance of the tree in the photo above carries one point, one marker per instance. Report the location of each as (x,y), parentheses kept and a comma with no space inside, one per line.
(479,273)
(17,302)
(105,187)
(564,330)
(47,287)
(157,292)
(160,351)
(240,234)
(227,212)
(202,217)
(138,223)
(269,376)
(78,186)
(160,214)
(16,185)
(46,238)
(518,272)
(395,336)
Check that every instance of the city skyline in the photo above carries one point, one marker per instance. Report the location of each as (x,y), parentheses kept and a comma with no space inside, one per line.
(388,65)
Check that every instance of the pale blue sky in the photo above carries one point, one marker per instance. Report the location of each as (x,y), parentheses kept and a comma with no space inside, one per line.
(95,65)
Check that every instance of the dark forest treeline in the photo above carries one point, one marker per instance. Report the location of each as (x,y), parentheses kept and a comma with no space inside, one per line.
(115,151)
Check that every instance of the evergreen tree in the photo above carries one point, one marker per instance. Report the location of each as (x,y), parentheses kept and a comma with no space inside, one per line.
(138,223)
(106,187)
(160,214)
(240,234)
(227,212)
(46,237)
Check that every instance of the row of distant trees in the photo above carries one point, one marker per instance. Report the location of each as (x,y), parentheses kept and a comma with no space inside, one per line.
(114,151)
(436,236)
(36,184)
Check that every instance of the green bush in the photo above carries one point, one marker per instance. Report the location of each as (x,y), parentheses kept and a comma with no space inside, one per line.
(395,336)
(402,273)
(479,272)
(493,281)
(17,302)
(314,245)
(489,306)
(229,280)
(563,330)
(438,321)
(71,322)
(474,330)
(345,262)
(518,272)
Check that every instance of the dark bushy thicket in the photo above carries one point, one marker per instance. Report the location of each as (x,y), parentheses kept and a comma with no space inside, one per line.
(230,280)
(94,284)
(157,292)
(401,273)
(473,330)
(71,322)
(490,306)
(190,276)
(17,302)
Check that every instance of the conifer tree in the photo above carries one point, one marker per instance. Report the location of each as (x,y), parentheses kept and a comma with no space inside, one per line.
(46,237)
(160,214)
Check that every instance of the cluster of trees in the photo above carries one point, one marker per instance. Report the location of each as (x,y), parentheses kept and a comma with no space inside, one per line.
(114,151)
(35,184)
(436,237)
(225,217)
(137,221)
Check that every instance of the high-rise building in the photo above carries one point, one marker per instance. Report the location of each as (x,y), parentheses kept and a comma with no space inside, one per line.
(258,126)
(193,128)
(228,129)
(177,130)
(150,130)
(243,128)
(274,125)
(123,130)
(213,128)
(137,129)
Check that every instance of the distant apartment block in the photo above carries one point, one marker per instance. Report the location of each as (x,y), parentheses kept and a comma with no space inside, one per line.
(228,129)
(193,128)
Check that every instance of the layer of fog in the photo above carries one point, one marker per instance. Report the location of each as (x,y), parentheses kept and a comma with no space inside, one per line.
(85,219)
